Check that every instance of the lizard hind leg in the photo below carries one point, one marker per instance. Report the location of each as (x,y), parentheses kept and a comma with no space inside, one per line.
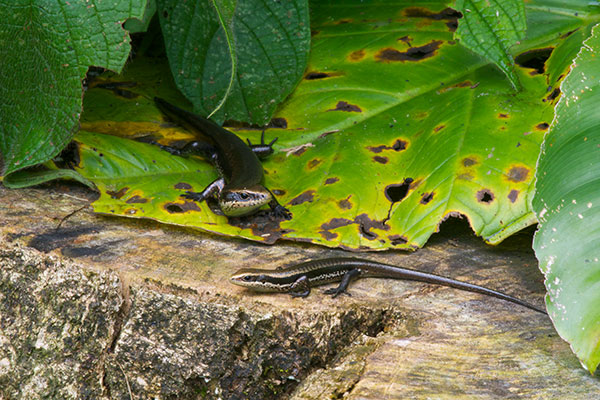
(300,288)
(343,286)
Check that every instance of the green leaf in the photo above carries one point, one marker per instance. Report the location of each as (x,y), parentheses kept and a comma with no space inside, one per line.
(46,48)
(225,10)
(271,48)
(136,25)
(26,178)
(567,203)
(490,28)
(394,128)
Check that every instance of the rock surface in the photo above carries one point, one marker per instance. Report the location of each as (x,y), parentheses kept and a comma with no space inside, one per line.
(107,308)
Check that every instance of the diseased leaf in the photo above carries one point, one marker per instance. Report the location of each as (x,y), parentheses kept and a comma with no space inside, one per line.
(271,42)
(567,203)
(46,48)
(394,128)
(490,28)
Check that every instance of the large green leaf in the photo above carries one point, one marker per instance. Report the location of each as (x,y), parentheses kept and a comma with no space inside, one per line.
(394,128)
(46,48)
(262,45)
(490,28)
(567,203)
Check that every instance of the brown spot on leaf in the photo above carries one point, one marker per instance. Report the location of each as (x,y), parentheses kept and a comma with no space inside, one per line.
(365,224)
(377,149)
(517,174)
(501,115)
(513,195)
(534,59)
(328,235)
(566,35)
(177,208)
(552,96)
(421,115)
(357,55)
(306,197)
(411,54)
(468,161)
(278,123)
(347,107)
(465,177)
(397,240)
(313,163)
(400,145)
(422,12)
(381,160)
(183,186)
(460,85)
(438,128)
(485,196)
(406,39)
(136,199)
(542,127)
(316,75)
(117,194)
(335,223)
(345,203)
(397,192)
(464,84)
(343,21)
(330,181)
(427,197)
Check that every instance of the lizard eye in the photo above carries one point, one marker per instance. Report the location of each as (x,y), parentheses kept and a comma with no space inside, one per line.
(247,278)
(244,196)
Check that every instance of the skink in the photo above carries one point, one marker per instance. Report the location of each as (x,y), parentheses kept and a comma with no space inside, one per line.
(297,280)
(239,191)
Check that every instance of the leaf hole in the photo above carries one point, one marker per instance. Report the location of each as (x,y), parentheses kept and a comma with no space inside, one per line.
(397,240)
(400,145)
(174,208)
(485,196)
(397,192)
(427,197)
(555,93)
(534,59)
(316,75)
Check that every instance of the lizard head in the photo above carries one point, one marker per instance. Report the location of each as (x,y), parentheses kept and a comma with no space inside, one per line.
(243,201)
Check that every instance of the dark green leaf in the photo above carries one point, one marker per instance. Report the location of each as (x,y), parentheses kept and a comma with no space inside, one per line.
(271,48)
(490,28)
(46,48)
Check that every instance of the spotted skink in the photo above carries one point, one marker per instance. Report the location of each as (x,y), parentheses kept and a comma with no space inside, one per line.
(239,190)
(298,279)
